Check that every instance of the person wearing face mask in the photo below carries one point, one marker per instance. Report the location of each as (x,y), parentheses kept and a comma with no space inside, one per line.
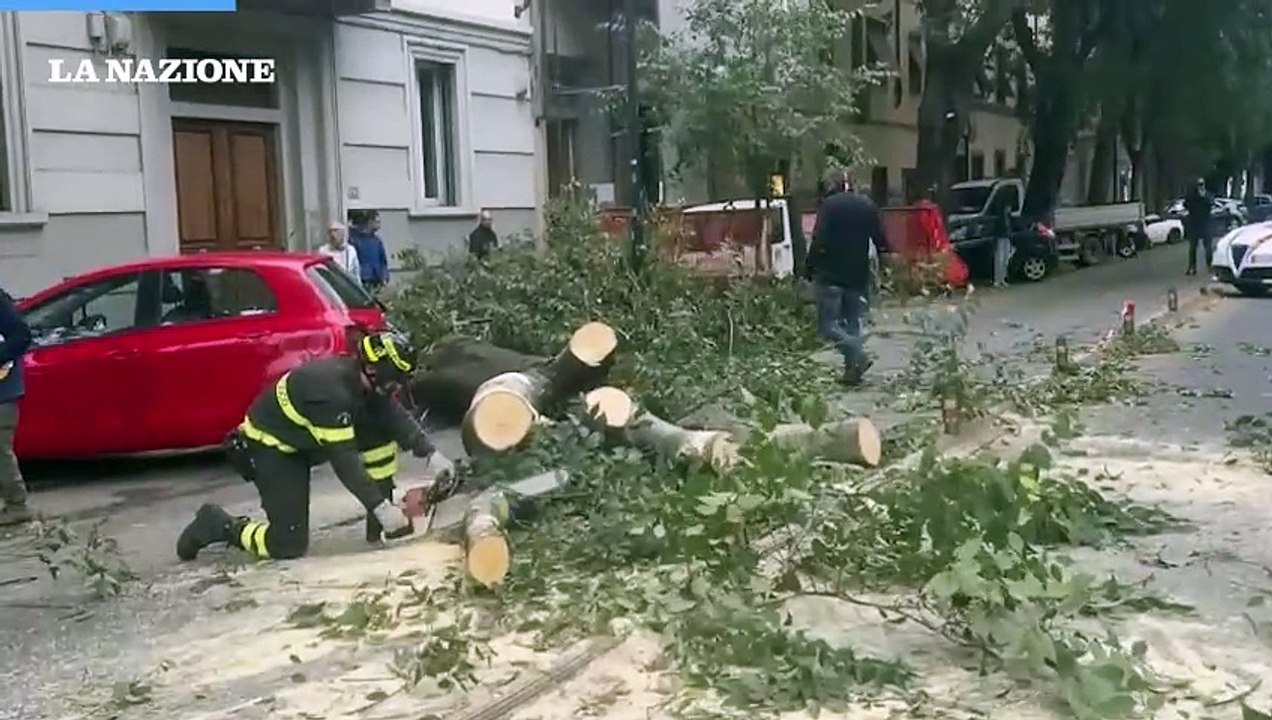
(341,410)
(1197,224)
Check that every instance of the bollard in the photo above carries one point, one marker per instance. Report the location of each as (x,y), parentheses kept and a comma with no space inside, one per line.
(1062,353)
(1128,318)
(1172,300)
(950,415)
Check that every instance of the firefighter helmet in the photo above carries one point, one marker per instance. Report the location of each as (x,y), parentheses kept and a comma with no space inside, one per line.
(389,356)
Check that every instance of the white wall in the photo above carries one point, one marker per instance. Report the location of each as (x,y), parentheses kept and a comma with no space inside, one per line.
(379,119)
(85,152)
(83,161)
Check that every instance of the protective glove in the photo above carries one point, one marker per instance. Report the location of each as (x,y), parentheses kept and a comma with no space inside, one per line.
(394,521)
(440,466)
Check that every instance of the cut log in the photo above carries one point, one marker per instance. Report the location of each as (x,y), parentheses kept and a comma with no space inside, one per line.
(478,523)
(616,410)
(486,554)
(855,441)
(453,370)
(504,408)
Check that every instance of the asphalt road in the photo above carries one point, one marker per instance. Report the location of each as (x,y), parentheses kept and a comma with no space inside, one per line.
(143,504)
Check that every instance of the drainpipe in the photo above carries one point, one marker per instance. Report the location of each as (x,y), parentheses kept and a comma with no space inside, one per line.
(634,126)
(539,85)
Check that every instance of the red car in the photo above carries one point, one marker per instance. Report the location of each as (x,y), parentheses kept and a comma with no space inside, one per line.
(167,353)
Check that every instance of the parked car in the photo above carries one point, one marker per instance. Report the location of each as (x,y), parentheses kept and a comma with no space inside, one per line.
(167,353)
(1082,233)
(1160,230)
(1243,259)
(1225,213)
(1259,208)
(1033,246)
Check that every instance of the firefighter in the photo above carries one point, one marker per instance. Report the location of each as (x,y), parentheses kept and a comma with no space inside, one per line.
(339,410)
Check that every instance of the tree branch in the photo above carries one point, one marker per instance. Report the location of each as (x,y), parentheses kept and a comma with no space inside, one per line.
(994,16)
(1025,38)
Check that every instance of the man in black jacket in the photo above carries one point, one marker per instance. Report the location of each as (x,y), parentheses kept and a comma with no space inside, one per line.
(15,339)
(1197,224)
(839,266)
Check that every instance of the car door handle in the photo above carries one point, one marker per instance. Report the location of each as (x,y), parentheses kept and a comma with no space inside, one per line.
(253,335)
(121,354)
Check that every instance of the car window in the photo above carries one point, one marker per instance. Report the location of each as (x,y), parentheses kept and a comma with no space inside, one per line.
(195,294)
(339,288)
(85,311)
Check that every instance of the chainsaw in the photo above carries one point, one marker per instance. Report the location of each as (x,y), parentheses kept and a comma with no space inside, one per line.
(422,501)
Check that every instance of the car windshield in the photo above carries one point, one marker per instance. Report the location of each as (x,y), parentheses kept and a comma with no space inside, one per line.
(969,199)
(339,288)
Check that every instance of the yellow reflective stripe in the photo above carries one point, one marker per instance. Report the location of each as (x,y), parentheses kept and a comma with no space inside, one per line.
(252,538)
(323,435)
(380,453)
(390,350)
(254,433)
(383,472)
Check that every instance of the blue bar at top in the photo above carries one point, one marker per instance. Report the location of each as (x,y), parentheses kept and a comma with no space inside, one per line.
(122,5)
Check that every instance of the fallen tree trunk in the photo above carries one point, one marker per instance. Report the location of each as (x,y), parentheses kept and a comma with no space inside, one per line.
(453,370)
(645,430)
(855,441)
(478,522)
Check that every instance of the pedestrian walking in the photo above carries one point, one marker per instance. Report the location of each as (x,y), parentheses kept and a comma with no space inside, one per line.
(338,249)
(15,340)
(373,261)
(839,267)
(1197,224)
(483,238)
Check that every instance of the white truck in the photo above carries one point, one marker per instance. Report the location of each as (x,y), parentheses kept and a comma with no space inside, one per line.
(1084,234)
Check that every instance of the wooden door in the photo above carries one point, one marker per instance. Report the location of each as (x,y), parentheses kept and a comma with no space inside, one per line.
(227,185)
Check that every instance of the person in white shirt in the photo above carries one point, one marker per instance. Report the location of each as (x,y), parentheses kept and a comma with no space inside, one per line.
(338,248)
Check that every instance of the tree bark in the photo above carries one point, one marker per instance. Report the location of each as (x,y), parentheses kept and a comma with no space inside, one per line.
(1100,187)
(949,71)
(499,394)
(855,441)
(487,557)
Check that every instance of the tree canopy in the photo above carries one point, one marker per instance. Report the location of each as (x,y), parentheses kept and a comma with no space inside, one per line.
(751,86)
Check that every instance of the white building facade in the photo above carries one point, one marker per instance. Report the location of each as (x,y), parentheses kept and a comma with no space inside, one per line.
(420,109)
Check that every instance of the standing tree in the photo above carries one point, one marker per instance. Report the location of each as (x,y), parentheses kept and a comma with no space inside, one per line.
(1058,45)
(957,35)
(752,87)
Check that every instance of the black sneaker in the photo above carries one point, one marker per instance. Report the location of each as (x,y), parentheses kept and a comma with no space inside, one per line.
(853,376)
(212,524)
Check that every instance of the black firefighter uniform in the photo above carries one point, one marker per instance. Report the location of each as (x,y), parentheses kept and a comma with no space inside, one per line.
(321,413)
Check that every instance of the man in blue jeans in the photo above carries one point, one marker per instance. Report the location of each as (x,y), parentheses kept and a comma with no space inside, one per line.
(839,266)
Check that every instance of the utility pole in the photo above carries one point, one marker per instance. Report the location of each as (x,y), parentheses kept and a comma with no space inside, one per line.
(635,126)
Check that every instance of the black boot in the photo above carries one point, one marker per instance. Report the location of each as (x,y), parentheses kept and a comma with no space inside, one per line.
(375,533)
(212,524)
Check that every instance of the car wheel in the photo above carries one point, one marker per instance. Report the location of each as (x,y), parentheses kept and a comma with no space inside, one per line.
(1173,237)
(1033,268)
(1090,248)
(1124,245)
(1252,290)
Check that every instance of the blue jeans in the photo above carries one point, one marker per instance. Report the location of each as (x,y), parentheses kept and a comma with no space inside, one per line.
(841,319)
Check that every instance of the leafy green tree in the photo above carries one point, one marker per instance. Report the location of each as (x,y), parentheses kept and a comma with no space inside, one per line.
(957,35)
(753,87)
